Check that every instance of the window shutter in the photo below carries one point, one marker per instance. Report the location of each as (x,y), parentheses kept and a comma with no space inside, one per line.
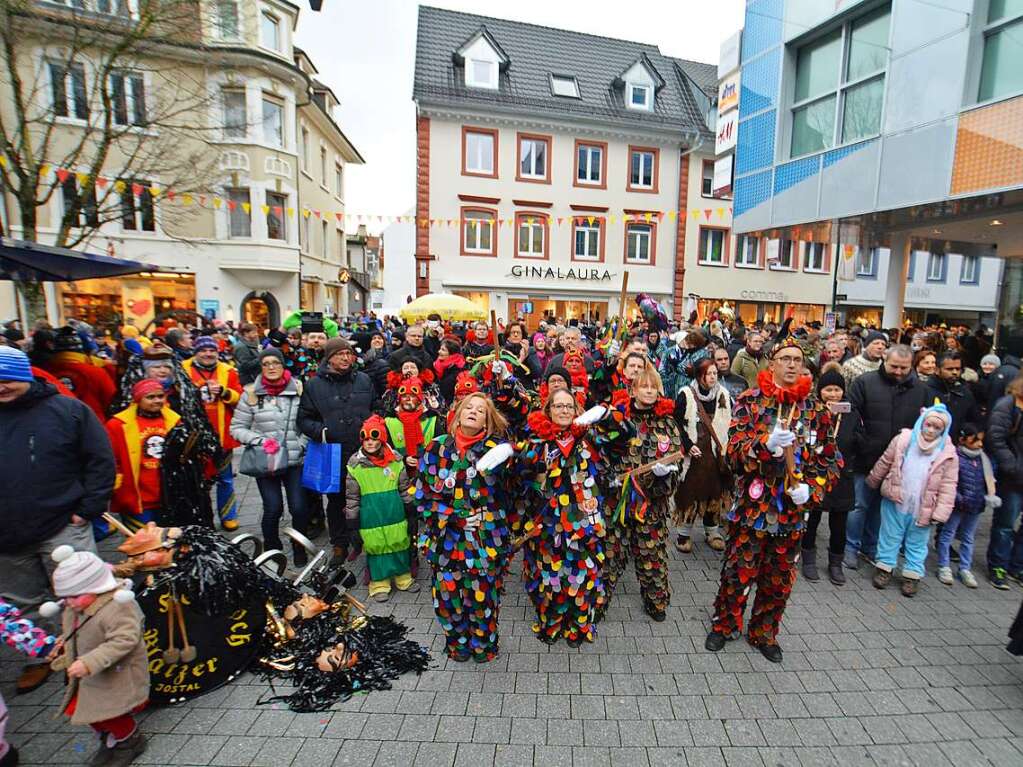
(138,89)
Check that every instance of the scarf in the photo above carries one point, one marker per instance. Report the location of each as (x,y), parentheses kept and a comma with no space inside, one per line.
(274,388)
(452,360)
(413,429)
(938,443)
(711,394)
(384,456)
(464,442)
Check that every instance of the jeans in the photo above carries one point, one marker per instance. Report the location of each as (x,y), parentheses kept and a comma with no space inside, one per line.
(864,520)
(1006,547)
(966,525)
(900,530)
(227,505)
(272,490)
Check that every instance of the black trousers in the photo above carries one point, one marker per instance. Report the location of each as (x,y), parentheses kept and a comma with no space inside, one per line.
(836,530)
(336,524)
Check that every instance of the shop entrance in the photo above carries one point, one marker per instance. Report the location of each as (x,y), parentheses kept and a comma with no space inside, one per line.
(543,308)
(262,310)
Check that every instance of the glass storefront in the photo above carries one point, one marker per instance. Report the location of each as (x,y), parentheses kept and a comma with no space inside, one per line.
(543,308)
(753,311)
(135,299)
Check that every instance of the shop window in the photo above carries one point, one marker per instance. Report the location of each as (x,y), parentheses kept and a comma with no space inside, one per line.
(642,169)
(839,84)
(747,251)
(128,98)
(478,233)
(534,158)
(588,239)
(640,241)
(786,256)
(239,211)
(590,164)
(82,212)
(713,246)
(138,212)
(815,257)
(969,272)
(276,221)
(479,152)
(273,122)
(236,119)
(937,267)
(1001,72)
(67,90)
(531,235)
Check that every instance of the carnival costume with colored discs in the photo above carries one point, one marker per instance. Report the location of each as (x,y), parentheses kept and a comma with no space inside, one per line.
(765,525)
(563,553)
(641,517)
(464,535)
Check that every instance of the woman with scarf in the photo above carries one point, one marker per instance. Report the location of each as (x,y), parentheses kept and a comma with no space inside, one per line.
(464,529)
(641,519)
(566,461)
(703,411)
(542,350)
(265,421)
(917,475)
(449,363)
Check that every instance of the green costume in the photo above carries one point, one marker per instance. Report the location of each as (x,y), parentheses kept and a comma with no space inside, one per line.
(374,503)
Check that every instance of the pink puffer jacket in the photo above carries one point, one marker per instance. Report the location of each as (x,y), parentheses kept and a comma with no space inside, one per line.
(939,495)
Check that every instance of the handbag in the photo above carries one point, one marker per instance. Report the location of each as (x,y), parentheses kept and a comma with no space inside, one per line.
(256,462)
(702,415)
(321,471)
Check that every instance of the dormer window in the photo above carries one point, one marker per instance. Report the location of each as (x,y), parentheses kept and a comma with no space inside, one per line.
(563,85)
(639,96)
(270,32)
(480,73)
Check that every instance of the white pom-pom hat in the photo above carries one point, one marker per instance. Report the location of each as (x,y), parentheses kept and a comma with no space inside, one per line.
(81,572)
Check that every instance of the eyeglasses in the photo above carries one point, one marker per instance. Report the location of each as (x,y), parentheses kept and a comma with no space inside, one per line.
(271,364)
(344,353)
(563,406)
(787,360)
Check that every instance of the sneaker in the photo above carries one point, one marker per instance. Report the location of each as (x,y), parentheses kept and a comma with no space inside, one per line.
(125,752)
(881,579)
(945,575)
(381,596)
(968,579)
(997,577)
(1016,577)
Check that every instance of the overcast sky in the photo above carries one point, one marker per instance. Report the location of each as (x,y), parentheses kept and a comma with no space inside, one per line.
(365,51)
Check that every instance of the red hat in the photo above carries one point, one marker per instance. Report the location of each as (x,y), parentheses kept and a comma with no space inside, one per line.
(466,384)
(411,386)
(144,387)
(373,427)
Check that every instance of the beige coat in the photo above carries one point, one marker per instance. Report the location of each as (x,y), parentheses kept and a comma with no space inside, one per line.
(111,646)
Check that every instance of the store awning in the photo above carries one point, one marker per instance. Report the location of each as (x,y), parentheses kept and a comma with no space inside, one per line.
(24,260)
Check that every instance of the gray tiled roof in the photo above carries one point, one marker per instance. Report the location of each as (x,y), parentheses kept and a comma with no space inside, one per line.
(536,52)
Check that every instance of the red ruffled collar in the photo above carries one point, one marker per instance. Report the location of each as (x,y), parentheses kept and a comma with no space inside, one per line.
(544,428)
(797,393)
(662,407)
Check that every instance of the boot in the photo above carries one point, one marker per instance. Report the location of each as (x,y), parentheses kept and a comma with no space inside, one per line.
(810,571)
(300,555)
(835,572)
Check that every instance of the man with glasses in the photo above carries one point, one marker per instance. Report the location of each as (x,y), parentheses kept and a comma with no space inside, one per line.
(412,349)
(784,457)
(335,403)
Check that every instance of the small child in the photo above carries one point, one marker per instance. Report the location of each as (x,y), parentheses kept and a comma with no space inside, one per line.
(103,653)
(917,475)
(22,635)
(975,493)
(376,491)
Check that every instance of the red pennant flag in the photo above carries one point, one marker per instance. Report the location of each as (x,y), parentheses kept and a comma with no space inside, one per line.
(278,210)
(137,189)
(338,217)
(63,174)
(101,182)
(316,213)
(231,205)
(707,212)
(202,199)
(170,194)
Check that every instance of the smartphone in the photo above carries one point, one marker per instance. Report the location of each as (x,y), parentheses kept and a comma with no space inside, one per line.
(840,408)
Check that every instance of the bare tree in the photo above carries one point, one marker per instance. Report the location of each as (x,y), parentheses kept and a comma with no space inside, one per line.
(105,105)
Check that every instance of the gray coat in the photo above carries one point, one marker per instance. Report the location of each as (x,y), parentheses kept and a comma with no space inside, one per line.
(259,416)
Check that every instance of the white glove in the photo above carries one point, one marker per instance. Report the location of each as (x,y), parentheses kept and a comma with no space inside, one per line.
(779,438)
(591,416)
(993,501)
(495,456)
(663,469)
(500,369)
(799,494)
(614,350)
(472,522)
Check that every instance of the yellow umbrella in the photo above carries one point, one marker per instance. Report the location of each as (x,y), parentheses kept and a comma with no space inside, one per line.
(448,306)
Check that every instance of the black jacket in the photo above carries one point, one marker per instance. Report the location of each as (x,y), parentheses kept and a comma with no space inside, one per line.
(734,385)
(417,353)
(57,461)
(884,406)
(1004,442)
(473,349)
(246,357)
(843,494)
(446,383)
(1001,378)
(959,400)
(339,403)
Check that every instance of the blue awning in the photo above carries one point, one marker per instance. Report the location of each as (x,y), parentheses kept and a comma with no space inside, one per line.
(24,260)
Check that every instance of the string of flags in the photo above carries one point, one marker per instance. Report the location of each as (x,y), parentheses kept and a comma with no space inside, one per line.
(189,198)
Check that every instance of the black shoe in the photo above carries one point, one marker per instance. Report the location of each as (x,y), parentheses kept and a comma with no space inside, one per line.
(997,576)
(10,758)
(340,555)
(574,641)
(1016,577)
(770,651)
(715,642)
(316,528)
(300,556)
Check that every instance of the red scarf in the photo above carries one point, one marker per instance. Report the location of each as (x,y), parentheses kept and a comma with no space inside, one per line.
(463,442)
(413,429)
(452,360)
(799,392)
(384,457)
(273,388)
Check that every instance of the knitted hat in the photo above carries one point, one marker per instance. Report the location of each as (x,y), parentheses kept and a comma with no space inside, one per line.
(466,384)
(412,386)
(832,376)
(875,335)
(991,358)
(335,345)
(14,365)
(271,351)
(205,342)
(80,572)
(558,371)
(373,427)
(68,340)
(144,387)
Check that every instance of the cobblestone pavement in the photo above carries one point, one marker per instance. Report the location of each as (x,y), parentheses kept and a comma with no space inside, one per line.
(869,678)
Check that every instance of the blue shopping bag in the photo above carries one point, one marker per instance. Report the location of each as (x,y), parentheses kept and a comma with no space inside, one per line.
(322,469)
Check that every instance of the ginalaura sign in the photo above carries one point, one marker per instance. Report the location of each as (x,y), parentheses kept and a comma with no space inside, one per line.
(557,273)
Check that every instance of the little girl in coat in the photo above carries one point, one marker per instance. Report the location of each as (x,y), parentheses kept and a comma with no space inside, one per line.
(917,475)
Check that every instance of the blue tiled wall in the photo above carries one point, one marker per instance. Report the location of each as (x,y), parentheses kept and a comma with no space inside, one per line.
(791,173)
(763,27)
(755,148)
(750,191)
(830,158)
(760,83)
